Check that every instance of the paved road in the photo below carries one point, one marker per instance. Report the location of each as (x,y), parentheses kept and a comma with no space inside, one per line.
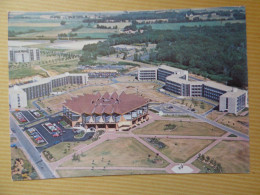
(31,150)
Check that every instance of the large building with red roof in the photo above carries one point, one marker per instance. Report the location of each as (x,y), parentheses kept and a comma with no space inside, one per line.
(107,111)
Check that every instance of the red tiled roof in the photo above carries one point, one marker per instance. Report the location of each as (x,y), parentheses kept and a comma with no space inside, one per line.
(95,103)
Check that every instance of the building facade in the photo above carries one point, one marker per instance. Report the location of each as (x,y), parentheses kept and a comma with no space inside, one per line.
(44,87)
(176,81)
(165,71)
(18,97)
(146,74)
(233,102)
(22,54)
(106,112)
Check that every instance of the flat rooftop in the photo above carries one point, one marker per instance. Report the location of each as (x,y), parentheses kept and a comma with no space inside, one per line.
(172,69)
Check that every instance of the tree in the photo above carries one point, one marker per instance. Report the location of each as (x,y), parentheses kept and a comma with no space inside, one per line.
(62,22)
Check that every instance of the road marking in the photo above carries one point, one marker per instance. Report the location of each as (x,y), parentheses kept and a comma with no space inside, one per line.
(32,114)
(31,137)
(46,129)
(24,117)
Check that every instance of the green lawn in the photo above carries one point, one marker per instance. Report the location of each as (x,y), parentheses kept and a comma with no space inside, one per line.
(25,72)
(64,148)
(118,152)
(63,66)
(182,128)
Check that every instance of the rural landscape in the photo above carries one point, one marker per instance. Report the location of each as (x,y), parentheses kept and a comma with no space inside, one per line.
(128,92)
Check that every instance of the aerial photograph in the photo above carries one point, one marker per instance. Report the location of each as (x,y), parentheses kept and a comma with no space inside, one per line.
(128,92)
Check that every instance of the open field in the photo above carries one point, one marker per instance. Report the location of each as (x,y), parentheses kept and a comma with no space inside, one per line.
(199,106)
(27,24)
(214,115)
(25,72)
(120,25)
(63,149)
(126,79)
(99,81)
(240,123)
(62,67)
(182,128)
(176,26)
(233,156)
(126,152)
(181,150)
(81,173)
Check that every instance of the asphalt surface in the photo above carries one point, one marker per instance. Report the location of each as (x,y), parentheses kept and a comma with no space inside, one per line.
(28,116)
(31,150)
(67,135)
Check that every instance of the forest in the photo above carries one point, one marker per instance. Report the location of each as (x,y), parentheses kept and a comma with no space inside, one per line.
(216,52)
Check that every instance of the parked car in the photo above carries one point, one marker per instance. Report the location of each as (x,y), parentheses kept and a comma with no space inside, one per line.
(13,145)
(38,138)
(56,126)
(34,133)
(40,141)
(35,136)
(55,135)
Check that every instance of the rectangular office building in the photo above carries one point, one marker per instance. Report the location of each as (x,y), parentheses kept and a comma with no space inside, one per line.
(165,71)
(233,101)
(146,74)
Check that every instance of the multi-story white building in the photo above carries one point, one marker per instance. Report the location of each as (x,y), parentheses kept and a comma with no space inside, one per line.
(165,71)
(176,81)
(233,101)
(17,97)
(147,74)
(43,87)
(22,54)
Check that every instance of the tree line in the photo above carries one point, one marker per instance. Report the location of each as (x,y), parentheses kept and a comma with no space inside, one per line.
(216,52)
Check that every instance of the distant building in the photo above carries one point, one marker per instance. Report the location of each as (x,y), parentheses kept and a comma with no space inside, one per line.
(17,97)
(165,71)
(107,112)
(147,74)
(22,54)
(43,87)
(176,81)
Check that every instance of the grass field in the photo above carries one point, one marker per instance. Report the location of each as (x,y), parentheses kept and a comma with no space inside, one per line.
(199,106)
(180,150)
(58,150)
(176,26)
(233,156)
(62,67)
(25,72)
(81,173)
(239,123)
(120,25)
(119,152)
(182,128)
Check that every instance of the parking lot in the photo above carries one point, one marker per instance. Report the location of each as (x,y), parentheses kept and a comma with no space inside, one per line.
(27,115)
(66,136)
